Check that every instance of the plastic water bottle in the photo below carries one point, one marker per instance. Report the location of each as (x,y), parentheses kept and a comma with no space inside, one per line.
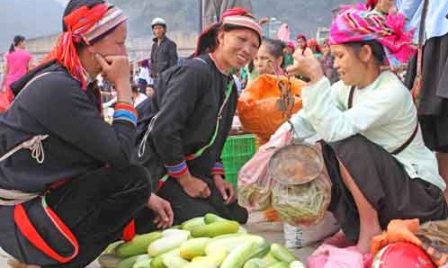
(293,236)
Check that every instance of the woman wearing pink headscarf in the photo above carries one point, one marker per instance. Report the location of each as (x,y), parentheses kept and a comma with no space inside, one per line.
(372,145)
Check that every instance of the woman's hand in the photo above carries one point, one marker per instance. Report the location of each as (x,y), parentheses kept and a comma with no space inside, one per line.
(225,188)
(194,187)
(307,66)
(163,211)
(116,69)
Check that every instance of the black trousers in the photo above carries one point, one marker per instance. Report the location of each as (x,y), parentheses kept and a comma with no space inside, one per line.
(384,183)
(95,207)
(186,207)
(433,107)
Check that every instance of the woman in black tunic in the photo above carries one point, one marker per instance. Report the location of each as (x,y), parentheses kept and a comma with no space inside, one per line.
(70,188)
(192,114)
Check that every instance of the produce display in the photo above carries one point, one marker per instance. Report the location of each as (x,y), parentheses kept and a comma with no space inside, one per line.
(203,242)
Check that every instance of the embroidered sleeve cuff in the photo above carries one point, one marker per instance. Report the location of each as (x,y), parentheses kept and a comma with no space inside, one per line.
(125,112)
(218,169)
(177,170)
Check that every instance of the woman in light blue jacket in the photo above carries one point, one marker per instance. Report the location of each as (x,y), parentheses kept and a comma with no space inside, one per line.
(433,97)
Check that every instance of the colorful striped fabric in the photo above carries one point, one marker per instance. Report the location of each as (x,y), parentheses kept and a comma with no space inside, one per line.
(356,24)
(125,112)
(218,169)
(177,170)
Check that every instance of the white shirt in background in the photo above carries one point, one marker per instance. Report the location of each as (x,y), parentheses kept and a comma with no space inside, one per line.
(139,99)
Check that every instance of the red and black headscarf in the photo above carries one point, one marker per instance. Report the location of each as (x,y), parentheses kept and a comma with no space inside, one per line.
(238,17)
(83,25)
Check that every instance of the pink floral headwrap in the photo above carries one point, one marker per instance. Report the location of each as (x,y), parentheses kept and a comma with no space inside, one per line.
(357,24)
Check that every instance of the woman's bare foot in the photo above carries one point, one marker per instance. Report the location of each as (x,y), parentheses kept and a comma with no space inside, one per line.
(339,240)
(365,238)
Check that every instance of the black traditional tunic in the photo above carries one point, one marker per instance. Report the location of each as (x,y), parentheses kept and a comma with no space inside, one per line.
(80,146)
(186,106)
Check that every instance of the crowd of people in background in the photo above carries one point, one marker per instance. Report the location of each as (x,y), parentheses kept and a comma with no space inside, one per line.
(17,61)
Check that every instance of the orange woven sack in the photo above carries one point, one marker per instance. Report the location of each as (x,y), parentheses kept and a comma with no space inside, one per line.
(257,105)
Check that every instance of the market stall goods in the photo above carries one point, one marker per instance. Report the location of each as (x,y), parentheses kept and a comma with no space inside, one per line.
(203,242)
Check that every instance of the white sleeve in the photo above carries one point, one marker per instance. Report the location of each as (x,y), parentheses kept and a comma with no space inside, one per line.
(302,128)
(321,110)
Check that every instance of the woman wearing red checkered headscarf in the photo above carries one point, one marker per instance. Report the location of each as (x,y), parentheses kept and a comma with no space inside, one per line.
(67,185)
(191,116)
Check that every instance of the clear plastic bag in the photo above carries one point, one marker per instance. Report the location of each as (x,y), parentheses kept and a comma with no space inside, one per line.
(254,182)
(302,204)
(302,191)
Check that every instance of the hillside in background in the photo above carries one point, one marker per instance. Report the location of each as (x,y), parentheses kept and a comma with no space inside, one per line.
(31,18)
(34,18)
(303,16)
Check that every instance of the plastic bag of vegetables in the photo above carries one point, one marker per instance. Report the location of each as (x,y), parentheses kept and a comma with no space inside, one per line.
(254,182)
(302,191)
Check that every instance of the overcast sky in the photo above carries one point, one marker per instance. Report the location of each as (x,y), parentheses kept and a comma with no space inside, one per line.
(62,2)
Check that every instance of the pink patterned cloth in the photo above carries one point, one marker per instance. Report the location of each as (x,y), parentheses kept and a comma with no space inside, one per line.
(356,24)
(328,256)
(338,252)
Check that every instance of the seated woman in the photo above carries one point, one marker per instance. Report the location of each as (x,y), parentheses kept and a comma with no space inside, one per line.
(192,113)
(67,185)
(372,144)
(257,105)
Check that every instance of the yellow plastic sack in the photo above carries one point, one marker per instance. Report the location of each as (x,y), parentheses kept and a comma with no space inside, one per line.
(257,105)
